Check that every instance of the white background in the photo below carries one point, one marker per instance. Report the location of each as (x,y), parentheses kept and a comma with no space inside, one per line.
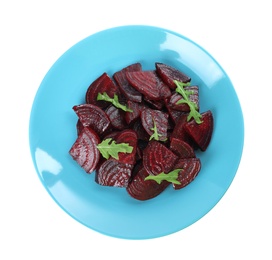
(34,34)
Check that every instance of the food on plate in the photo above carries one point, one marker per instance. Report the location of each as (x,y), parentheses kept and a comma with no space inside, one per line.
(140,129)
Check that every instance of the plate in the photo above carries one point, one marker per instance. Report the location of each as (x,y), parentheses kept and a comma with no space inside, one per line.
(110,210)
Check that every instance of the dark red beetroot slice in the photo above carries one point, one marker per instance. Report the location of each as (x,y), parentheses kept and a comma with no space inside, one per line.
(156,104)
(141,145)
(127,90)
(117,117)
(168,74)
(140,189)
(180,133)
(201,133)
(111,134)
(139,154)
(79,127)
(149,84)
(93,116)
(184,107)
(113,173)
(84,150)
(139,129)
(190,169)
(127,136)
(175,115)
(149,117)
(102,84)
(181,148)
(158,158)
(137,108)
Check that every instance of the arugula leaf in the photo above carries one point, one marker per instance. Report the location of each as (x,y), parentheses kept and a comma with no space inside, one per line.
(112,149)
(114,101)
(185,94)
(170,177)
(155,135)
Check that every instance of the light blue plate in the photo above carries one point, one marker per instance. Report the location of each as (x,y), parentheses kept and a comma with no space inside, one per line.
(52,132)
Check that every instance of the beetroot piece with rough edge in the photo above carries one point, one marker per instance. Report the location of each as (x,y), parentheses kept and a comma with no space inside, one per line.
(139,129)
(201,133)
(175,115)
(84,150)
(136,108)
(190,169)
(113,173)
(155,104)
(125,88)
(92,116)
(117,117)
(179,131)
(150,118)
(168,74)
(157,158)
(181,148)
(79,127)
(102,84)
(149,84)
(140,189)
(176,97)
(130,137)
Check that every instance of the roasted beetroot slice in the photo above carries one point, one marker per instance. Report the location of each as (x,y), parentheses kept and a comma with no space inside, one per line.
(117,117)
(113,173)
(168,74)
(79,127)
(112,134)
(125,88)
(92,116)
(140,189)
(139,154)
(175,115)
(137,108)
(181,148)
(158,158)
(149,84)
(141,145)
(150,117)
(180,133)
(102,84)
(201,133)
(84,150)
(194,97)
(156,104)
(190,169)
(139,129)
(127,136)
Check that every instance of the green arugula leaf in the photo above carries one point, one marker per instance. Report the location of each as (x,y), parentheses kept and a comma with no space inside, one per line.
(110,148)
(185,94)
(170,177)
(155,135)
(114,101)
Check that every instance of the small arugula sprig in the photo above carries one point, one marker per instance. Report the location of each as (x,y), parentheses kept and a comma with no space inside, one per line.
(114,101)
(155,135)
(110,148)
(185,94)
(170,177)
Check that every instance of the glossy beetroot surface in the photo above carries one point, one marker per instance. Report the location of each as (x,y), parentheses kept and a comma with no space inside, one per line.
(84,150)
(157,130)
(190,169)
(140,189)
